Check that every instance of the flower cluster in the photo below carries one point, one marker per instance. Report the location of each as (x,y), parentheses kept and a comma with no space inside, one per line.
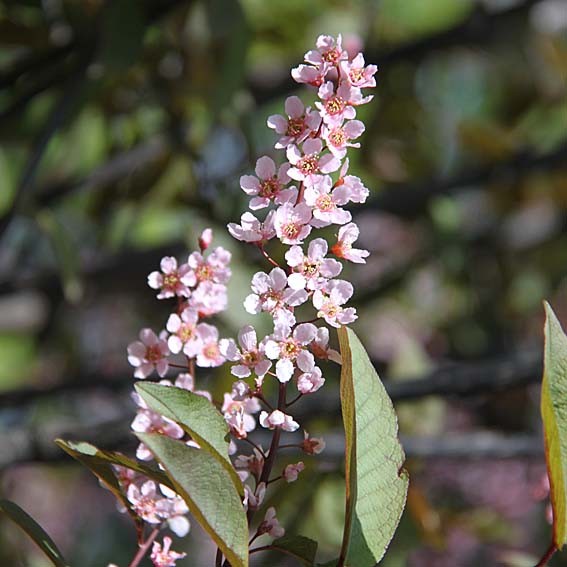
(198,288)
(307,192)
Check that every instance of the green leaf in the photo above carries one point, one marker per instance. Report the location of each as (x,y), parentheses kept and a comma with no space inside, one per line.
(302,548)
(197,416)
(209,492)
(100,463)
(376,483)
(35,531)
(554,415)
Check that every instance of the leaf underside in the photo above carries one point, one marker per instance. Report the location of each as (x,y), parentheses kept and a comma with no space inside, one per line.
(209,492)
(197,416)
(376,483)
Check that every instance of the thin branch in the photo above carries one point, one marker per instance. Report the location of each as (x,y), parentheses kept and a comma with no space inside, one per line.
(451,380)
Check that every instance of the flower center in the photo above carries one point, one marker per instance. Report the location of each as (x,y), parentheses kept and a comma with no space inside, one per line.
(310,268)
(170,281)
(356,75)
(289,349)
(295,127)
(335,105)
(338,137)
(211,351)
(269,187)
(325,203)
(308,164)
(204,272)
(291,230)
(250,358)
(153,354)
(186,332)
(331,56)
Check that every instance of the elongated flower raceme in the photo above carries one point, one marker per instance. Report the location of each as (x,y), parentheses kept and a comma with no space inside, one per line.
(295,194)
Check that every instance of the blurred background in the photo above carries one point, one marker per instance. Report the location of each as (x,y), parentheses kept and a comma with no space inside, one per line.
(124,127)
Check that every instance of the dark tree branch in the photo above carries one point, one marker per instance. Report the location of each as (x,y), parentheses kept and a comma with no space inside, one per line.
(25,446)
(411,200)
(454,380)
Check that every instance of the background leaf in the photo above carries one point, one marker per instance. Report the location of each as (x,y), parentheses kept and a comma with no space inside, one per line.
(35,531)
(376,483)
(197,416)
(207,488)
(554,415)
(302,548)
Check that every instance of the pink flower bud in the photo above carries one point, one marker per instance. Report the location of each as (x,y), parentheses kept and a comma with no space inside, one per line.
(205,239)
(291,472)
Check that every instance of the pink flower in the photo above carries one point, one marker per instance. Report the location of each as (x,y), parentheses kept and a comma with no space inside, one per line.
(297,126)
(320,346)
(311,271)
(251,229)
(343,247)
(271,294)
(164,556)
(270,524)
(145,500)
(289,349)
(292,223)
(312,445)
(329,52)
(326,202)
(253,463)
(147,421)
(309,75)
(172,281)
(209,298)
(339,138)
(291,472)
(358,193)
(278,419)
(310,382)
(209,354)
(308,162)
(268,185)
(253,500)
(184,332)
(329,303)
(206,239)
(339,106)
(147,354)
(214,268)
(238,412)
(250,358)
(357,74)
(335,107)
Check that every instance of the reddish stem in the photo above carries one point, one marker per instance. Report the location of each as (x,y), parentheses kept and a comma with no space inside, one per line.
(548,555)
(144,548)
(269,462)
(267,256)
